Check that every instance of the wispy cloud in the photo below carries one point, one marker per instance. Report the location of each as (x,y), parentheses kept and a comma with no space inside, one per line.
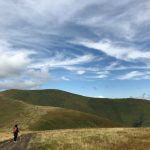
(117,51)
(135,75)
(65,78)
(59,60)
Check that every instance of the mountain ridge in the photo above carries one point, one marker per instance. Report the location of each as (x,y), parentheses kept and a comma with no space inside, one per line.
(126,111)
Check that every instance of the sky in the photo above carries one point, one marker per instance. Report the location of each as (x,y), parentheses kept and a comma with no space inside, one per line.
(98,48)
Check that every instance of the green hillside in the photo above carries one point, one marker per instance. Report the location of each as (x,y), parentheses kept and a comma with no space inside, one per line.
(55,98)
(30,117)
(124,111)
(66,119)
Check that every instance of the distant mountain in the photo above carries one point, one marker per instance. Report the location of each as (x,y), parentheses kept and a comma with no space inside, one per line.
(128,112)
(31,117)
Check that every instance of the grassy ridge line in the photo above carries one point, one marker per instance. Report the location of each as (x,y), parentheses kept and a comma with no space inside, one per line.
(55,98)
(123,111)
(31,117)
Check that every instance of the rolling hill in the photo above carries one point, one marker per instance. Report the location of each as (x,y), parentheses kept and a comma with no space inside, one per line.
(127,112)
(31,117)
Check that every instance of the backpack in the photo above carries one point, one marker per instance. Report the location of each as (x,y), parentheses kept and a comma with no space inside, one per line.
(15,130)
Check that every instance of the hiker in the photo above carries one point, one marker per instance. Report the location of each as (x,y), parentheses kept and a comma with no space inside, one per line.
(15,132)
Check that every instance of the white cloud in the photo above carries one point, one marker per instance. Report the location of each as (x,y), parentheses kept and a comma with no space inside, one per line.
(15,71)
(112,66)
(106,72)
(135,75)
(80,72)
(100,75)
(100,96)
(60,60)
(20,66)
(50,13)
(117,51)
(65,78)
(124,19)
(19,84)
(41,74)
(12,61)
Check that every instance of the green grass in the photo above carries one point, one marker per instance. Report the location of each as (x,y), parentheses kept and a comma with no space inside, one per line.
(92,139)
(64,119)
(55,98)
(10,110)
(31,117)
(122,111)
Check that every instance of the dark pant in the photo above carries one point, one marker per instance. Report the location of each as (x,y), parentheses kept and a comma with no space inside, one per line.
(15,136)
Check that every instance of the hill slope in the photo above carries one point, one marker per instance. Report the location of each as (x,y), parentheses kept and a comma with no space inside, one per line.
(30,117)
(124,111)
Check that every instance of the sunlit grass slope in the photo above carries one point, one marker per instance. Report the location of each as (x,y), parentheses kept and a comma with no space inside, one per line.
(122,111)
(92,139)
(30,117)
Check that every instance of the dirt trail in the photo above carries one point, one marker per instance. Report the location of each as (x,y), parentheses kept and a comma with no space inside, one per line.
(21,144)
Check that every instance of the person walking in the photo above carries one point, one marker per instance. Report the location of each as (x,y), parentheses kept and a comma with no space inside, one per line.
(15,132)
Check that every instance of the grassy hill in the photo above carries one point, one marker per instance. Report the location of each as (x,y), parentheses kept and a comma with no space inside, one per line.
(31,117)
(55,98)
(123,111)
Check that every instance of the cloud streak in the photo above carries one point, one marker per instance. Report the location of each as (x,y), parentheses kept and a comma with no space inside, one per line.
(135,75)
(117,51)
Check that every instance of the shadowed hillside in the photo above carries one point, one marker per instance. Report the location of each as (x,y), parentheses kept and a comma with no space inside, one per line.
(30,117)
(124,111)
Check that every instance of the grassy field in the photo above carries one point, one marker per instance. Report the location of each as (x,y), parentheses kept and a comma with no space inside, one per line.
(122,111)
(92,139)
(88,139)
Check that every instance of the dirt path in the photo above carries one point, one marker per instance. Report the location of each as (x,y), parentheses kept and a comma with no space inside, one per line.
(21,144)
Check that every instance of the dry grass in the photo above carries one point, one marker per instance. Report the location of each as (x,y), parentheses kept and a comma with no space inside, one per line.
(5,136)
(93,139)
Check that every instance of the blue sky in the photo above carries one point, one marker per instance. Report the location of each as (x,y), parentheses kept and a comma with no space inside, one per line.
(95,48)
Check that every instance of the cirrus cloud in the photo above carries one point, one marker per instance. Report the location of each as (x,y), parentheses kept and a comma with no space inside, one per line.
(117,51)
